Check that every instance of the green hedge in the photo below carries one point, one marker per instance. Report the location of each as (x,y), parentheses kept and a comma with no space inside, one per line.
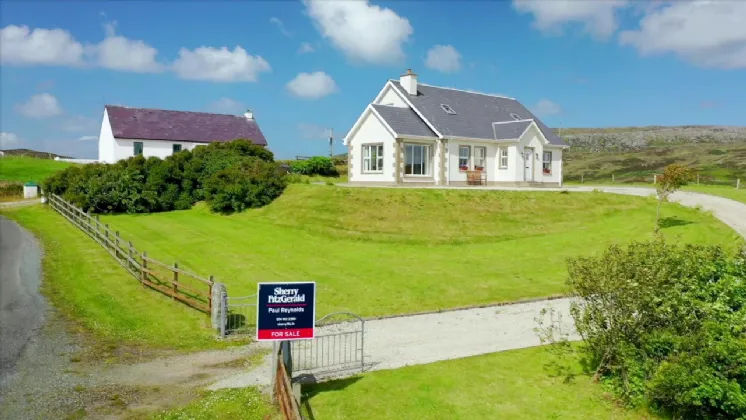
(231,176)
(317,165)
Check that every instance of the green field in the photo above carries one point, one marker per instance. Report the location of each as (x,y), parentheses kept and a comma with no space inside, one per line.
(225,404)
(387,251)
(507,385)
(25,169)
(85,283)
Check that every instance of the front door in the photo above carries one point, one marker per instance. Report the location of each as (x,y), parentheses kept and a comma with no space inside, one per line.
(528,163)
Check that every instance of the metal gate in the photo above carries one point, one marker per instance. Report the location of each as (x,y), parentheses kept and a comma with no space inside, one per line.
(240,315)
(339,345)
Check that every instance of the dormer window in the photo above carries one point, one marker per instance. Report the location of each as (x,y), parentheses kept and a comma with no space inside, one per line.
(515,116)
(447,109)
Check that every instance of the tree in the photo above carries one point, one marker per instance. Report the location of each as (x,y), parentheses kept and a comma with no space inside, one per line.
(674,177)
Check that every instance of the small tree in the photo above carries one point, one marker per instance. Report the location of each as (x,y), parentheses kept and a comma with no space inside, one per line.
(674,177)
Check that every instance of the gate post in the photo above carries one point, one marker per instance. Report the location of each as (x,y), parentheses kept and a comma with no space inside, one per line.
(223,311)
(287,358)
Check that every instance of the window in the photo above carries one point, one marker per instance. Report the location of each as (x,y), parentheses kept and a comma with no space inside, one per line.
(138,148)
(372,158)
(503,158)
(177,148)
(480,155)
(417,159)
(464,158)
(547,163)
(515,116)
(448,109)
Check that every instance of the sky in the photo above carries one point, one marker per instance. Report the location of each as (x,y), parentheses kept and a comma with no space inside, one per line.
(303,67)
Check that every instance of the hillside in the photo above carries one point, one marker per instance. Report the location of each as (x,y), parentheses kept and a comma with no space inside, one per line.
(617,139)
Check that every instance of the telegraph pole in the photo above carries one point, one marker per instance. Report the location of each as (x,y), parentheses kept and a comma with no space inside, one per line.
(331,143)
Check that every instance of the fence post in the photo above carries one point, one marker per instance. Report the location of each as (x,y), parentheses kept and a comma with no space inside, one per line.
(176,279)
(697,179)
(613,181)
(116,245)
(582,178)
(655,179)
(129,255)
(738,183)
(144,268)
(223,311)
(106,235)
(212,282)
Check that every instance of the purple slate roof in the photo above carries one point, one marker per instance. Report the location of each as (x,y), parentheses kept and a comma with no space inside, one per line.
(200,127)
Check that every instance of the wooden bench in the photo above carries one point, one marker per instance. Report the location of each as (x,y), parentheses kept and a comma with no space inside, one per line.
(476,178)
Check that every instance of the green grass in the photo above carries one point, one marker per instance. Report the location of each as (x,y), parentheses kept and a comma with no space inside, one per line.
(715,163)
(719,190)
(507,385)
(85,283)
(228,404)
(392,251)
(25,169)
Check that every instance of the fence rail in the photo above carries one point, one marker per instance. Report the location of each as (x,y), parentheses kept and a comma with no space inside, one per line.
(184,286)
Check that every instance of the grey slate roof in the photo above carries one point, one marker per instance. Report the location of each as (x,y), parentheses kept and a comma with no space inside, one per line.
(475,112)
(200,127)
(404,121)
(510,130)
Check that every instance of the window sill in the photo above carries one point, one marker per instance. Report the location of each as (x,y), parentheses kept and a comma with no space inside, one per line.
(372,172)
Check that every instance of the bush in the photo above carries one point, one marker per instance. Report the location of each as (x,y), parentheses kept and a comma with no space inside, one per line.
(665,324)
(139,185)
(317,165)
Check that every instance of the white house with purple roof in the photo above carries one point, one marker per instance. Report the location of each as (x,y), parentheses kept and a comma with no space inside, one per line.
(414,133)
(126,132)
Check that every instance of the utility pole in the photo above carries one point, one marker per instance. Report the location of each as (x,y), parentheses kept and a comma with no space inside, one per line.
(331,143)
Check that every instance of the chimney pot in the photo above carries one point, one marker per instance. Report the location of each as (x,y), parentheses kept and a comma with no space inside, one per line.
(248,114)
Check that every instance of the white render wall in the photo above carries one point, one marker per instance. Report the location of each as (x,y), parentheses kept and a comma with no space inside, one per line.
(371,131)
(391,97)
(106,141)
(125,148)
(453,174)
(533,139)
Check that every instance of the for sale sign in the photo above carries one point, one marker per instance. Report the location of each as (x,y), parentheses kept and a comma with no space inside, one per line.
(286,311)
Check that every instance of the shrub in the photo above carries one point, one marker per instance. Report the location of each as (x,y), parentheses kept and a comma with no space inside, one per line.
(665,324)
(317,165)
(249,183)
(139,185)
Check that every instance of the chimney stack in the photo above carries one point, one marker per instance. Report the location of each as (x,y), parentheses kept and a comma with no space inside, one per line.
(248,114)
(408,81)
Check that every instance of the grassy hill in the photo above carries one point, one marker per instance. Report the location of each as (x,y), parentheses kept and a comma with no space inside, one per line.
(26,168)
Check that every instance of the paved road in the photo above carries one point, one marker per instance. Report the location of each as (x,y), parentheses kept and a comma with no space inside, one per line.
(22,307)
(411,340)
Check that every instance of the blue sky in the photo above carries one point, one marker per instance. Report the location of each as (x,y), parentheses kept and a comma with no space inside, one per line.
(305,66)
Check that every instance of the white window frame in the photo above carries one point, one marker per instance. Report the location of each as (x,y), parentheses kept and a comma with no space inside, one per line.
(545,162)
(467,157)
(482,158)
(373,165)
(426,156)
(502,156)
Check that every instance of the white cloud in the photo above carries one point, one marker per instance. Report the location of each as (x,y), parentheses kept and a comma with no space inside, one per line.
(220,65)
(706,33)
(119,53)
(55,47)
(8,140)
(281,26)
(88,138)
(78,123)
(444,58)
(365,33)
(312,85)
(597,17)
(310,131)
(306,48)
(546,107)
(226,106)
(42,105)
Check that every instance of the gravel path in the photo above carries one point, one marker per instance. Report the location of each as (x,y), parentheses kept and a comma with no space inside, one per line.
(391,343)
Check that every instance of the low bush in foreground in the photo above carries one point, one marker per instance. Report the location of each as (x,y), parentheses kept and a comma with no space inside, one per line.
(231,176)
(664,324)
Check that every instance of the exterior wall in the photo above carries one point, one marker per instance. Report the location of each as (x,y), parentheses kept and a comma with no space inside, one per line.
(125,148)
(533,139)
(392,98)
(106,141)
(456,176)
(371,131)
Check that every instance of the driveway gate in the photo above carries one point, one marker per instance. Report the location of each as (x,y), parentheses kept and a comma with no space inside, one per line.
(240,315)
(338,345)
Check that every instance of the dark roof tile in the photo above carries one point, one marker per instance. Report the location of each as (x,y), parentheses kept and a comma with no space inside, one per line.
(404,121)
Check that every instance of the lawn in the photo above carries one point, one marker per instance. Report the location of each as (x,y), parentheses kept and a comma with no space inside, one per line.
(228,404)
(393,251)
(25,169)
(719,190)
(507,385)
(85,283)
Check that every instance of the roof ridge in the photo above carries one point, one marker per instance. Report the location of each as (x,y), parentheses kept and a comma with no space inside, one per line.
(514,121)
(171,110)
(468,91)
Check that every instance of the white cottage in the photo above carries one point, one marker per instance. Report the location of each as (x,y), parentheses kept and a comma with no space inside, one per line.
(126,132)
(430,135)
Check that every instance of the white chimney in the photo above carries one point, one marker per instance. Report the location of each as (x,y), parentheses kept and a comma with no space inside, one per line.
(408,81)
(248,114)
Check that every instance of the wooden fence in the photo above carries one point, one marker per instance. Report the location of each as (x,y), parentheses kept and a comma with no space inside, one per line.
(283,391)
(181,285)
